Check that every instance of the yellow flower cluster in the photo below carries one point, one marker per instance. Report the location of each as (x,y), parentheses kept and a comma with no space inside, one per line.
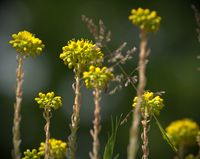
(183,132)
(97,77)
(58,148)
(26,44)
(34,154)
(80,54)
(150,102)
(49,100)
(145,19)
(191,156)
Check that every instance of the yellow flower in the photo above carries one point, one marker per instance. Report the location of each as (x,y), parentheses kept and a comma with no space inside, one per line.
(26,44)
(81,54)
(97,77)
(58,149)
(191,156)
(183,132)
(151,102)
(31,154)
(49,100)
(145,19)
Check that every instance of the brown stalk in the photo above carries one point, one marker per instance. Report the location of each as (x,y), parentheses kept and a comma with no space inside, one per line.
(72,143)
(198,142)
(47,115)
(132,148)
(180,153)
(17,109)
(145,124)
(96,126)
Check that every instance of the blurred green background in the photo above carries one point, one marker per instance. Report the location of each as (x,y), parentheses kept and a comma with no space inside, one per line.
(172,68)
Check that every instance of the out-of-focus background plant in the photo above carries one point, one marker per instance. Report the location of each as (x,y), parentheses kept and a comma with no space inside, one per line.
(172,68)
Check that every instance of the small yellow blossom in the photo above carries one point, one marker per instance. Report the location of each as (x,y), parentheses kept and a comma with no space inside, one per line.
(145,19)
(58,149)
(183,132)
(26,44)
(80,54)
(31,154)
(49,100)
(97,77)
(151,102)
(191,156)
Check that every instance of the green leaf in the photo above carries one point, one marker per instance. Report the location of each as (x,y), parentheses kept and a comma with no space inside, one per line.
(164,134)
(108,151)
(116,157)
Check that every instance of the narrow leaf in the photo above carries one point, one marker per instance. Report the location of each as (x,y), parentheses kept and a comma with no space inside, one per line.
(116,157)
(165,137)
(109,147)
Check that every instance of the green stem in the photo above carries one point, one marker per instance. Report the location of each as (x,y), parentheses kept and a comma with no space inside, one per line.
(17,110)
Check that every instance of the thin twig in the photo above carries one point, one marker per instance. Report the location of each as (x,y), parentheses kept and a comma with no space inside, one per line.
(17,109)
(101,35)
(115,58)
(140,90)
(96,126)
(72,143)
(197,17)
(47,116)
(126,117)
(123,71)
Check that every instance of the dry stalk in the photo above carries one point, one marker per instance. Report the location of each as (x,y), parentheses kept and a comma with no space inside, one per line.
(145,124)
(47,115)
(96,126)
(180,153)
(198,142)
(197,17)
(17,109)
(99,32)
(72,143)
(140,90)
